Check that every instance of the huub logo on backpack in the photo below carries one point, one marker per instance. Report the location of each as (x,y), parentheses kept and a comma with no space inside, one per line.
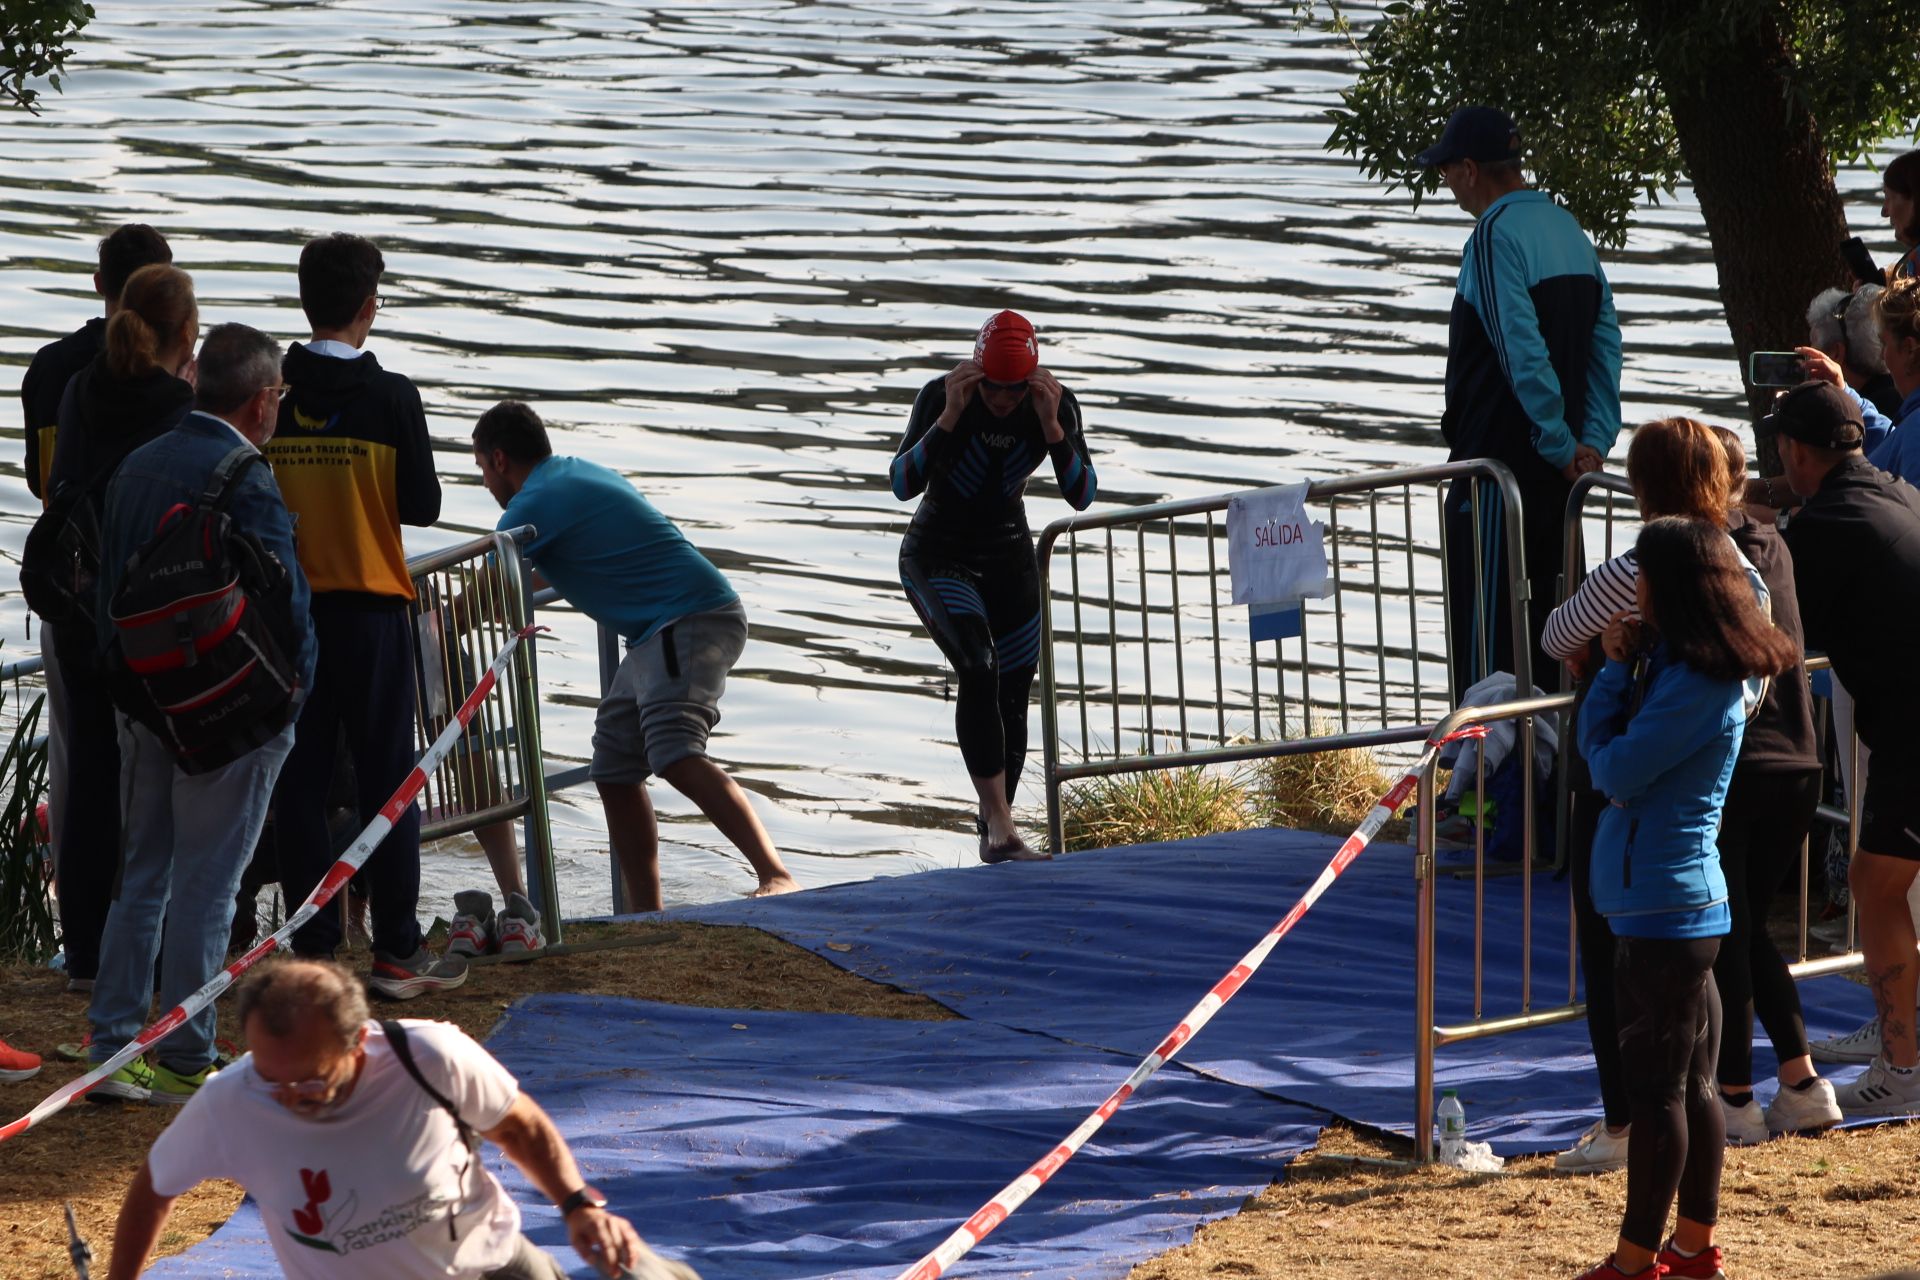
(202,632)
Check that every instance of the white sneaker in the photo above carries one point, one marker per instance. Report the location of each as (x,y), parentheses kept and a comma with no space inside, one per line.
(1862,1045)
(1746,1126)
(1595,1151)
(1880,1092)
(1808,1110)
(472,931)
(517,929)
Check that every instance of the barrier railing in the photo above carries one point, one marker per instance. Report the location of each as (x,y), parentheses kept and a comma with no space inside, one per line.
(470,601)
(1429,1034)
(1175,690)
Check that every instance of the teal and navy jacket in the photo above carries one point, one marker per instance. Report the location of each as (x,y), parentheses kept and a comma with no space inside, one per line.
(1664,769)
(1533,360)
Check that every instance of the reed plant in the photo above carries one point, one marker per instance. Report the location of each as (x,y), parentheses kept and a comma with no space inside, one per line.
(26,912)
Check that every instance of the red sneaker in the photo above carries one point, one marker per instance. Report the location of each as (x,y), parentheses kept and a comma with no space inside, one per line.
(15,1065)
(1704,1265)
(1607,1271)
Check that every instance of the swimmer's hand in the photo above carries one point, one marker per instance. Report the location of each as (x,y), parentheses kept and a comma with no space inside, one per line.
(961,383)
(1045,391)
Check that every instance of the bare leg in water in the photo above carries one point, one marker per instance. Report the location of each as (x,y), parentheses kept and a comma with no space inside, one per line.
(635,833)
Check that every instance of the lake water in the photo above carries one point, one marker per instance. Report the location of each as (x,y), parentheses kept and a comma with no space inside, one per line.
(720,245)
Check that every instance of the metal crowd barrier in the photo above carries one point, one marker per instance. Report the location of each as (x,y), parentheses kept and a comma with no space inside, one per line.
(1429,1034)
(468,601)
(1167,687)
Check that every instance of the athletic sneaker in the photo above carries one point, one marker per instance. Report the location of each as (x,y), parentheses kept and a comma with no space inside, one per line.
(1607,1271)
(1808,1110)
(1860,1045)
(416,975)
(472,932)
(1746,1126)
(17,1064)
(74,1050)
(1704,1265)
(1014,850)
(171,1088)
(80,986)
(131,1083)
(1595,1151)
(1880,1091)
(517,929)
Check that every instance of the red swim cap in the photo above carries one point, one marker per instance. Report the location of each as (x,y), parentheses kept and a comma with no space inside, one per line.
(1005,348)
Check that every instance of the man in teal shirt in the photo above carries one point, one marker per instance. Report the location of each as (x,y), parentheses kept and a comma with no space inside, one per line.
(619,561)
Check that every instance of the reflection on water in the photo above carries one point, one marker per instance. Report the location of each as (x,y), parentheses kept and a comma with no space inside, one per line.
(723,243)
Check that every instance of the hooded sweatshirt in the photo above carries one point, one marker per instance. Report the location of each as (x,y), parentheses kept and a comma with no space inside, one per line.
(353,458)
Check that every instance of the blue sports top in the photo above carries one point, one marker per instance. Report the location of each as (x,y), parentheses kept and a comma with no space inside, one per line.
(610,552)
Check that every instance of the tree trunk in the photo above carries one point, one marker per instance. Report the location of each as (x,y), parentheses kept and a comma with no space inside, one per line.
(1760,170)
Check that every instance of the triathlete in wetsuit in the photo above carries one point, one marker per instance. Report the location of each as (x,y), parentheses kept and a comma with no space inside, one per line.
(967,561)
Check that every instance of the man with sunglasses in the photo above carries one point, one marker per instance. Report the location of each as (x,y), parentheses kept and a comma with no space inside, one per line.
(967,562)
(360,1141)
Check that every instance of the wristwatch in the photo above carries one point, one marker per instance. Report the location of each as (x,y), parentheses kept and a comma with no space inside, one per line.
(585,1197)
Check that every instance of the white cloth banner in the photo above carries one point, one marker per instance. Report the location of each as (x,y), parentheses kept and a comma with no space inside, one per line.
(1274,552)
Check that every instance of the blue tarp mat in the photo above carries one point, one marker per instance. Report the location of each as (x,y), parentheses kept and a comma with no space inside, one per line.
(1111,948)
(783,1146)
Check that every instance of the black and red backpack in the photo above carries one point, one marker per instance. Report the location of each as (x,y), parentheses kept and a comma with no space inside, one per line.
(203,647)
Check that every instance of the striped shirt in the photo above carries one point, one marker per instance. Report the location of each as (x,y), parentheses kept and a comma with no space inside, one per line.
(1611,589)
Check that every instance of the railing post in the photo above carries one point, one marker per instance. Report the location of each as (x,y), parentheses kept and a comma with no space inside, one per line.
(1423,972)
(542,876)
(1049,712)
(609,666)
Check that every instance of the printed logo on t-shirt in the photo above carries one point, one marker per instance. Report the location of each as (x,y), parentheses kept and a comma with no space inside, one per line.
(335,1232)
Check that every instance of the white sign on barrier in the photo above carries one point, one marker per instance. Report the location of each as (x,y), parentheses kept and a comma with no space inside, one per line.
(1275,554)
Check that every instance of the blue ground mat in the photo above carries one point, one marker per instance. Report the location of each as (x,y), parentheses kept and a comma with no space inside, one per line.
(1110,948)
(782,1146)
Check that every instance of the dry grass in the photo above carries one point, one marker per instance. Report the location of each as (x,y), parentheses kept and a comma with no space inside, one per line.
(1143,808)
(1328,791)
(88,1153)
(1841,1206)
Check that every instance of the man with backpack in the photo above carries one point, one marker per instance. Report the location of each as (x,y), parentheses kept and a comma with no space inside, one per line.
(202,617)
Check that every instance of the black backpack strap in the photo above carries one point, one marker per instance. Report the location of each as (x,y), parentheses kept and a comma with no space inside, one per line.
(397,1037)
(231,468)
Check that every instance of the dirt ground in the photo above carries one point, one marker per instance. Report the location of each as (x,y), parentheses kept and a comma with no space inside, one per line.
(87,1153)
(1843,1206)
(1837,1207)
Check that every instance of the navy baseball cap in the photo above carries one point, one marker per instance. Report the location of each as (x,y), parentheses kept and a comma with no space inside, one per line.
(1483,134)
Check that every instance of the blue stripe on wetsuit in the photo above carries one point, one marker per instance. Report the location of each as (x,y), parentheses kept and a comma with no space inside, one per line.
(959,596)
(909,471)
(1019,648)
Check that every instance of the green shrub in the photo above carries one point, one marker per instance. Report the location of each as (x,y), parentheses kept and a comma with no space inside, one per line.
(26,914)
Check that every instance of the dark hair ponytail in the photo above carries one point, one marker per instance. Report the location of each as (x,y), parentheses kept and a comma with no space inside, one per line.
(156,304)
(1700,601)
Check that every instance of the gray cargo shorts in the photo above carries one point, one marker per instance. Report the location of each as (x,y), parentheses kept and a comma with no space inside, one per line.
(665,697)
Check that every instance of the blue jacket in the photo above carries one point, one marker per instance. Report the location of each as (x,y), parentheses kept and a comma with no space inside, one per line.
(1664,770)
(1897,450)
(1533,358)
(176,468)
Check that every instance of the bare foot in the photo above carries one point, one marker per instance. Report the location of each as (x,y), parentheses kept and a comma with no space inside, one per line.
(1014,850)
(777,885)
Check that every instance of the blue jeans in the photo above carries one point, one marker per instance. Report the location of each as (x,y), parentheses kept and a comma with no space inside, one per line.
(186,842)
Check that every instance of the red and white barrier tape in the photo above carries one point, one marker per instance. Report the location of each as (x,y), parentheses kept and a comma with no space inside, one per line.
(1015,1193)
(341,872)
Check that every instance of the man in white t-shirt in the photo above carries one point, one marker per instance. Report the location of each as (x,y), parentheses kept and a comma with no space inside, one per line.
(361,1169)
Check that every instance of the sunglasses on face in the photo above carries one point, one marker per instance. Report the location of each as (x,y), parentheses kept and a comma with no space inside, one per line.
(1004,388)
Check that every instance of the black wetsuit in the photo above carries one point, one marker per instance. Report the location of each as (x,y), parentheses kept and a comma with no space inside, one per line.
(967,561)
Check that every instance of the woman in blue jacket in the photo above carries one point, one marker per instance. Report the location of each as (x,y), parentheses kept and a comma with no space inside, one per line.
(1660,731)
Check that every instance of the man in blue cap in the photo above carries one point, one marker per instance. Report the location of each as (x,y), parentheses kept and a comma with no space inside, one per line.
(1533,380)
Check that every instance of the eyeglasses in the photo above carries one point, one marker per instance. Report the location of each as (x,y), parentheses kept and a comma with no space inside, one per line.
(301,1095)
(279,391)
(379,302)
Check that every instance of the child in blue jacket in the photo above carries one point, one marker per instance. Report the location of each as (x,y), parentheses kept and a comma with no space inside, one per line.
(1660,731)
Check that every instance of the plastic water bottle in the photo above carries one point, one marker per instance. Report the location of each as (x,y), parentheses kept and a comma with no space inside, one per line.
(1450,1118)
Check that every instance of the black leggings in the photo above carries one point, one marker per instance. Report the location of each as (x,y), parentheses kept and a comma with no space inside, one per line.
(982,607)
(1669,1036)
(1596,945)
(1761,830)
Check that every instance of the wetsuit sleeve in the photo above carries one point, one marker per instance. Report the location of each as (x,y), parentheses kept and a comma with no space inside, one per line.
(1514,326)
(922,444)
(1608,590)
(416,483)
(1602,424)
(1679,716)
(1072,464)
